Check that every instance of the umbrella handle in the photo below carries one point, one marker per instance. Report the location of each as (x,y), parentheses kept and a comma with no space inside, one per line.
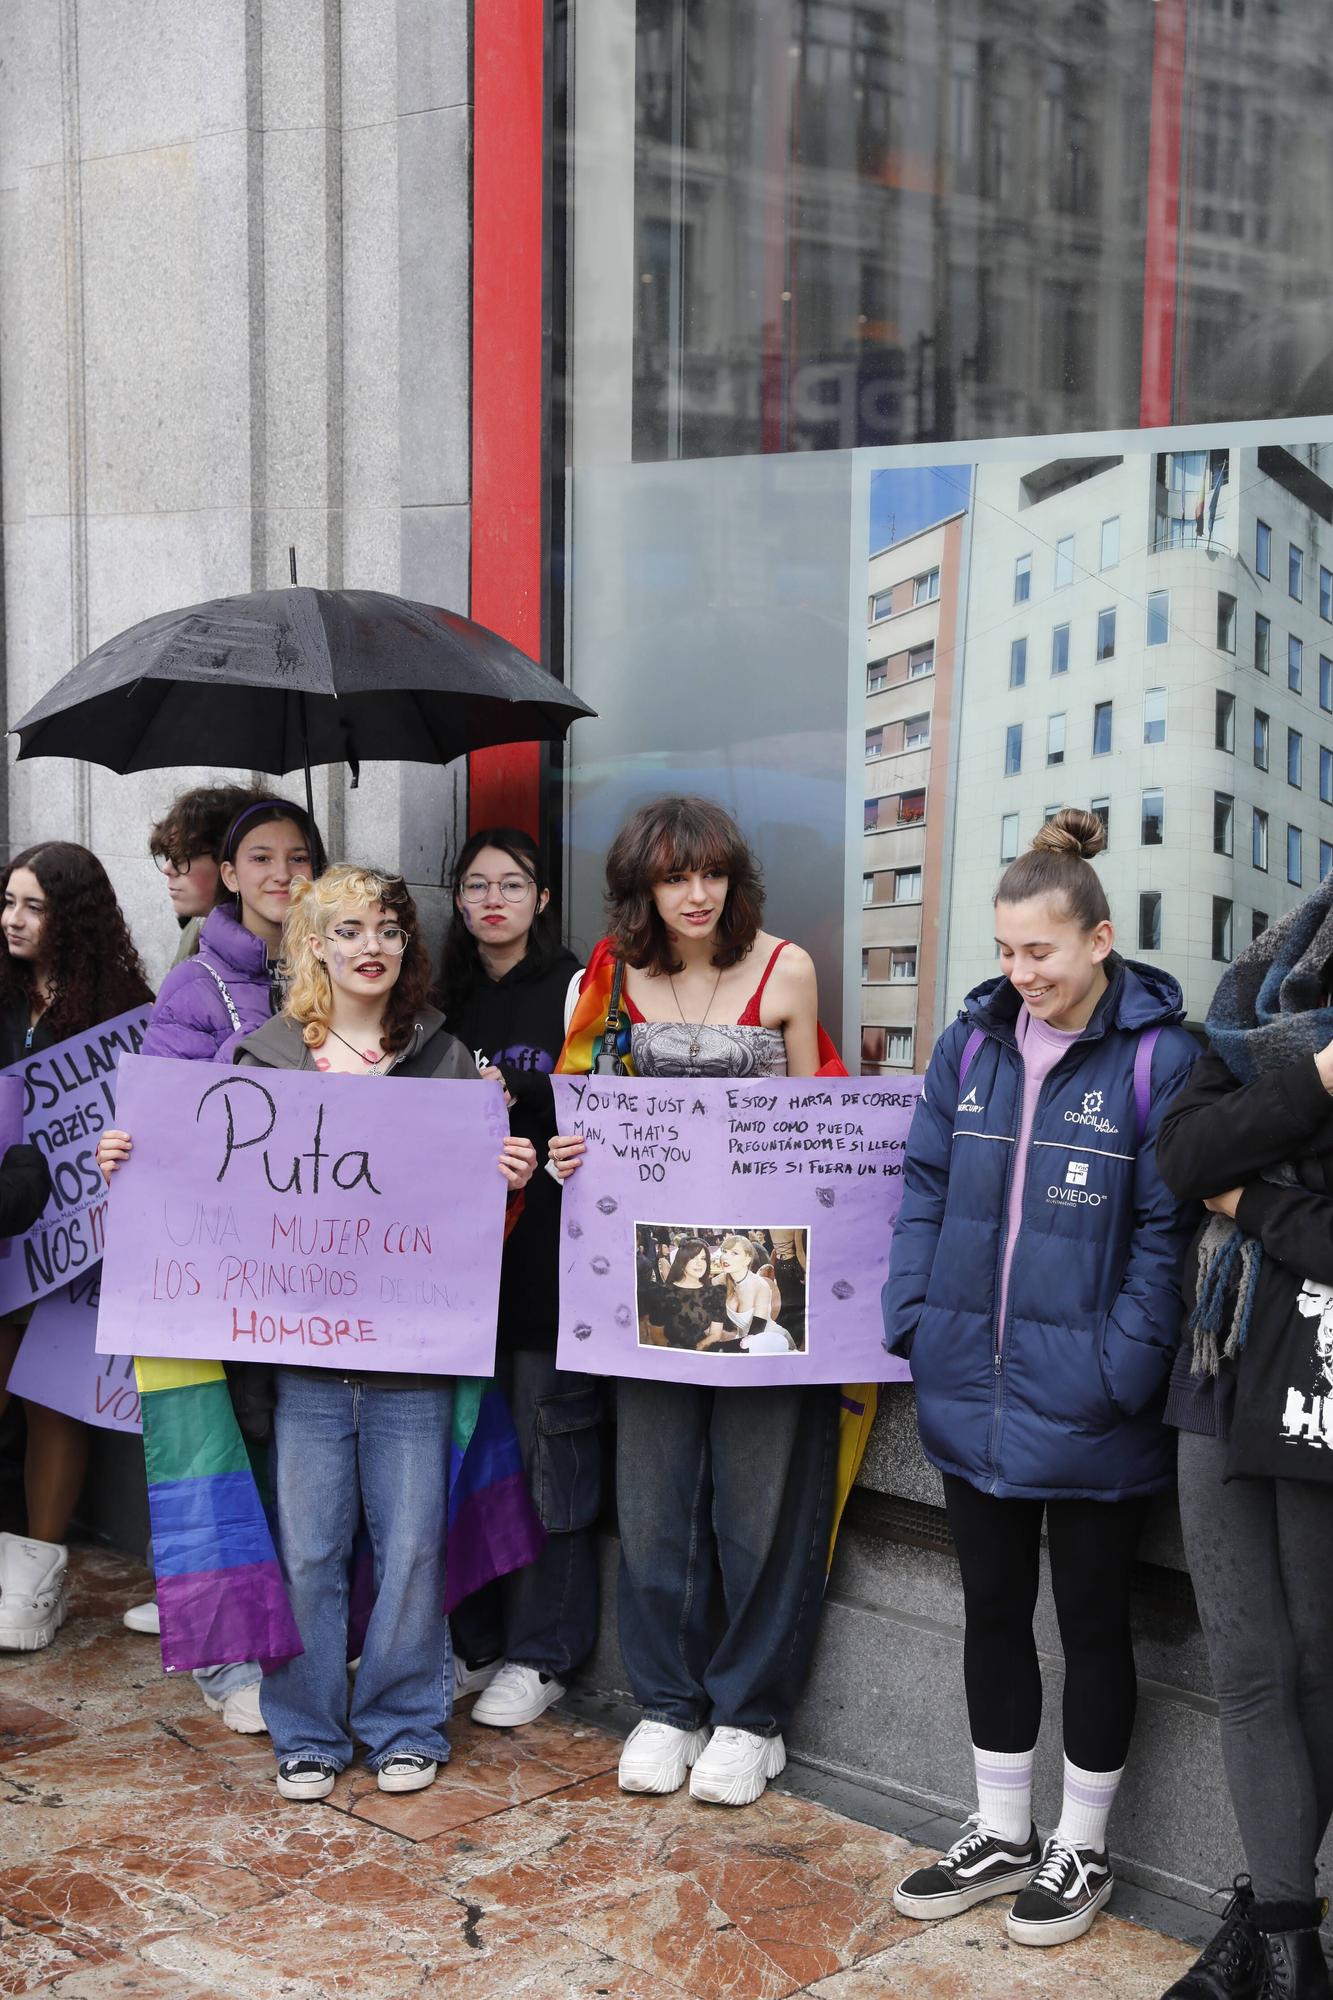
(305,732)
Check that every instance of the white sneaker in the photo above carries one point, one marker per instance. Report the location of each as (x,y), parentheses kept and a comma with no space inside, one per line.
(240,1711)
(736,1767)
(516,1695)
(657,1756)
(143,1618)
(471,1680)
(32,1592)
(409,1773)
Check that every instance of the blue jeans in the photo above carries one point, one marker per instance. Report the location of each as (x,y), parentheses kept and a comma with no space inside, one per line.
(725,1499)
(343,1448)
(545,1616)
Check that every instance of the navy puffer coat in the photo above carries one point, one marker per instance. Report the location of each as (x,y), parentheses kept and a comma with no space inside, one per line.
(1068,1404)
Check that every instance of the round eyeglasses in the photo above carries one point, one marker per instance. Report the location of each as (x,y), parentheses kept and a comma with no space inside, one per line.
(392,939)
(513,888)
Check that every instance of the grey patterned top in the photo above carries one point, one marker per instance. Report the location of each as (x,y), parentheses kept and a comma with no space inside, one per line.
(662,1048)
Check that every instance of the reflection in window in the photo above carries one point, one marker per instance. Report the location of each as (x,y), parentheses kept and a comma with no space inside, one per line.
(1260,740)
(877,676)
(1226,622)
(921,661)
(1110,542)
(907,885)
(1258,923)
(1154,715)
(1295,572)
(1222,929)
(1294,757)
(1295,662)
(1101,808)
(1106,634)
(1326,775)
(1261,630)
(900,1047)
(1064,562)
(916,732)
(1151,817)
(1224,807)
(926,588)
(867,889)
(902,964)
(1159,617)
(1259,839)
(881,607)
(1060,650)
(1294,856)
(1055,739)
(1150,920)
(874,744)
(1263,548)
(1008,836)
(1325,682)
(1325,858)
(1101,729)
(1013,749)
(1022,579)
(1224,720)
(1018,662)
(1326,594)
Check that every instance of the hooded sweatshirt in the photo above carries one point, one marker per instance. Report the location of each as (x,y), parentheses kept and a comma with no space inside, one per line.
(518,1023)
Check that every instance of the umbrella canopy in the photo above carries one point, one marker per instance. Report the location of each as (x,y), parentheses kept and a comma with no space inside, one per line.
(288,678)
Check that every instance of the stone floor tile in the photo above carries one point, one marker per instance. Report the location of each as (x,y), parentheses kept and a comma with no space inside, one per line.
(24,1727)
(125,1979)
(31,1959)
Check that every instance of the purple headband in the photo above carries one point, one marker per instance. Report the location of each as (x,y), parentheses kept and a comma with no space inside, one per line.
(275,809)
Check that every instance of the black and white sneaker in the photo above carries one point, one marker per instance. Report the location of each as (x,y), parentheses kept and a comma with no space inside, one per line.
(305,1778)
(1067,1891)
(980,1863)
(407,1773)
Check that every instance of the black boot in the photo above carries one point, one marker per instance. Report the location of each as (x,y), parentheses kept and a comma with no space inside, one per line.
(1294,1967)
(1231,1964)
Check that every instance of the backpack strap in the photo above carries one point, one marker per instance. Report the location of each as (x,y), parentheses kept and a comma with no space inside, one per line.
(227,1000)
(970,1047)
(1143,1053)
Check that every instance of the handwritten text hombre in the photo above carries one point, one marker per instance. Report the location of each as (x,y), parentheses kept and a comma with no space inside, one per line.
(305,1218)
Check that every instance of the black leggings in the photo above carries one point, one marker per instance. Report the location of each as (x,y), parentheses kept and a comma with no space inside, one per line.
(1091,1545)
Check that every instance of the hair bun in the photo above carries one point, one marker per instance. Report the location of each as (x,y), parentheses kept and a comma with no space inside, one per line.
(1071,831)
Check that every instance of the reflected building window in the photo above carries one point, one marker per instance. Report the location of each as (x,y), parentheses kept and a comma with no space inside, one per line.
(1263,549)
(1260,740)
(1294,856)
(1013,749)
(1110,555)
(1226,622)
(1018,662)
(1295,663)
(1295,572)
(1154,715)
(1261,637)
(1224,807)
(1150,920)
(1102,809)
(1055,739)
(1159,617)
(1294,758)
(1060,650)
(1151,817)
(1008,836)
(1101,729)
(1106,634)
(1022,579)
(1222,929)
(1224,721)
(1259,839)
(1064,562)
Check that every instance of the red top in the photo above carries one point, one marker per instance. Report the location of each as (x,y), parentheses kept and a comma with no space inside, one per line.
(750,1012)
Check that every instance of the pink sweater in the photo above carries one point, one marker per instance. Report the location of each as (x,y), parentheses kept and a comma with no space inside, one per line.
(1041,1049)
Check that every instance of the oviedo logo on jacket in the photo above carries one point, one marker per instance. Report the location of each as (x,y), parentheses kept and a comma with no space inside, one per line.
(1091,1115)
(1076,1193)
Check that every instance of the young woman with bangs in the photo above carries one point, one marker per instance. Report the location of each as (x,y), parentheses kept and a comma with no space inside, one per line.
(68,962)
(724,1495)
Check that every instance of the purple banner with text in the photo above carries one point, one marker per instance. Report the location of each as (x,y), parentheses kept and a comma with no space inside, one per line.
(58,1364)
(731,1233)
(69,1095)
(321,1221)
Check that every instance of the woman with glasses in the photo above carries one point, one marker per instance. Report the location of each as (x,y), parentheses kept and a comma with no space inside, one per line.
(351,1444)
(186,844)
(505,980)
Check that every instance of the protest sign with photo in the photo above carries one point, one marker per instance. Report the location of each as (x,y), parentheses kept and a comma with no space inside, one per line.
(731,1232)
(297,1217)
(58,1364)
(69,1094)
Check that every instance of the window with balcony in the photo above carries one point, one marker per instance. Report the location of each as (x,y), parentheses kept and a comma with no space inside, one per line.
(1154,715)
(1263,548)
(1101,729)
(911,808)
(871,819)
(1055,739)
(1260,740)
(907,885)
(1224,721)
(1101,809)
(1295,663)
(1013,749)
(1008,836)
(1259,839)
(1060,650)
(1106,634)
(1151,818)
(1064,562)
(916,732)
(1226,622)
(1018,662)
(1295,572)
(1222,929)
(1294,758)
(877,676)
(881,607)
(1224,810)
(1150,920)
(1294,856)
(874,744)
(1022,579)
(1261,632)
(926,588)
(1159,618)
(920,662)
(1110,542)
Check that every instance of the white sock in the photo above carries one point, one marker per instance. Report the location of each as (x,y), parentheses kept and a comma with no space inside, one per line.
(1089,1796)
(1004,1791)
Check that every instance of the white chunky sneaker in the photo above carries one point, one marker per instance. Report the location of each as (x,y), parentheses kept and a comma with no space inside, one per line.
(657,1756)
(143,1618)
(240,1710)
(471,1680)
(517,1695)
(32,1592)
(736,1767)
(408,1773)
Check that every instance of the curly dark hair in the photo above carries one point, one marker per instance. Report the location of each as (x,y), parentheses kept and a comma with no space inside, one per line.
(679,835)
(88,954)
(196,823)
(461,963)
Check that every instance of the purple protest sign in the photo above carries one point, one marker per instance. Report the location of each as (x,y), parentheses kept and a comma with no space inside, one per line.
(68,1098)
(58,1364)
(323,1221)
(731,1232)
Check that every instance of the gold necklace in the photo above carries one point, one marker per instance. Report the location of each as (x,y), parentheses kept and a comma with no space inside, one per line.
(694,1039)
(371,1062)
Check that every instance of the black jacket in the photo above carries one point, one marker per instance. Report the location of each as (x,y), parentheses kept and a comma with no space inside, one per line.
(1220,1134)
(518,1023)
(25,1183)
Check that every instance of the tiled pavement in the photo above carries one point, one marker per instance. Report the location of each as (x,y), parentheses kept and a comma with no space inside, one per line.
(145,1855)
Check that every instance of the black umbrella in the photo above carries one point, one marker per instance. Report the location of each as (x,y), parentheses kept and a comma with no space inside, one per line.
(283,679)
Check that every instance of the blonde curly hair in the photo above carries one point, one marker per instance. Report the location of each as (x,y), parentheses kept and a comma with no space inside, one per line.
(314,906)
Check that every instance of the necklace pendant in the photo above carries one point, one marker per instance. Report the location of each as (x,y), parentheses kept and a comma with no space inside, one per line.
(694,1051)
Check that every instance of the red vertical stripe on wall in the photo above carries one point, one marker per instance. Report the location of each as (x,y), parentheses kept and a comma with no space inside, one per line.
(508,153)
(1161,254)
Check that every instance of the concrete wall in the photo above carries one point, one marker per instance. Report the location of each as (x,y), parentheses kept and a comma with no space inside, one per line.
(234,315)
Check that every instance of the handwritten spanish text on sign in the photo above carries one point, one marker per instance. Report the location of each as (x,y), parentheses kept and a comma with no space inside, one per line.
(315,1220)
(68,1098)
(731,1233)
(59,1367)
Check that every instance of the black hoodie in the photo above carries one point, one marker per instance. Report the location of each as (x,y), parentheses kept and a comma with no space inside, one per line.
(518,1023)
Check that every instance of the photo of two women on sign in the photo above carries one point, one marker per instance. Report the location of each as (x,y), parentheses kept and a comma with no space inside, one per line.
(721,1291)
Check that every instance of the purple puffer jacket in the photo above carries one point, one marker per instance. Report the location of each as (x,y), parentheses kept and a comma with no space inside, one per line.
(191,1018)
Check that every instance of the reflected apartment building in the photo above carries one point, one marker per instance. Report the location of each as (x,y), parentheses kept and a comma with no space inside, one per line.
(912,625)
(1151,637)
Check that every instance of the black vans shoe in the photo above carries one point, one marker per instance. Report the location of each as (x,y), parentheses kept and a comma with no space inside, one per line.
(1067,1891)
(979,1864)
